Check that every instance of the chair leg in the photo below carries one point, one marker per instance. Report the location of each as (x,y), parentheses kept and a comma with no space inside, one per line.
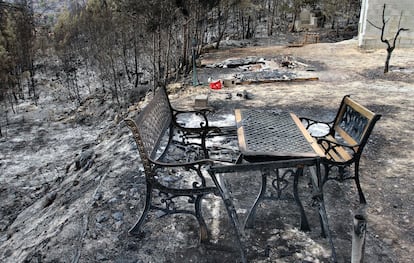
(204,235)
(360,193)
(136,229)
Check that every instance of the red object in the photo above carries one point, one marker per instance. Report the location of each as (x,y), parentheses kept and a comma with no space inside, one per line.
(215,84)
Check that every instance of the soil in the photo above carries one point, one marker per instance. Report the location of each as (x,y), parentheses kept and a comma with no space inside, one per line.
(55,211)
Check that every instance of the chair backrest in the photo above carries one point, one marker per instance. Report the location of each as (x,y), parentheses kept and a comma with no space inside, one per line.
(354,123)
(150,125)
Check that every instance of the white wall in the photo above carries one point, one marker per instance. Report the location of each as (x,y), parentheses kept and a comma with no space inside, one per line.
(369,36)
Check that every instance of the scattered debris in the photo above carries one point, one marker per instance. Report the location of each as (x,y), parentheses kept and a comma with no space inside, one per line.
(237,62)
(245,95)
(49,199)
(254,70)
(261,76)
(215,84)
(309,38)
(201,101)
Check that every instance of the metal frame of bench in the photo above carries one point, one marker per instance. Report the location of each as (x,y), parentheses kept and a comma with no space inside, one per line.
(155,122)
(346,139)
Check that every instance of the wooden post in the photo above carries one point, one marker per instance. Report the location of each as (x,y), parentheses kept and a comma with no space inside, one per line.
(358,239)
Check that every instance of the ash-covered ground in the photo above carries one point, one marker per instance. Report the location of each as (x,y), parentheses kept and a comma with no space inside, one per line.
(72,183)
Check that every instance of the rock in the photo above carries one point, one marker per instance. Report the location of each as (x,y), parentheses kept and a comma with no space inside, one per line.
(4,223)
(388,241)
(86,159)
(118,216)
(118,225)
(98,196)
(49,199)
(133,191)
(4,237)
(100,256)
(101,217)
(246,95)
(113,200)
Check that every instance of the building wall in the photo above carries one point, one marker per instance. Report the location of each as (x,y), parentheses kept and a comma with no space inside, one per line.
(371,10)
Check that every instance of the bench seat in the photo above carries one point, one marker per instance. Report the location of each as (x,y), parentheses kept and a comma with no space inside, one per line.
(176,160)
(344,142)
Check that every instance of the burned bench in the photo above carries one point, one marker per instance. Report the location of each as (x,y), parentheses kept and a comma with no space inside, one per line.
(345,141)
(176,161)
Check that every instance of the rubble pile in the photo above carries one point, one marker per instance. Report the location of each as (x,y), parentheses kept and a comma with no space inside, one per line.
(254,69)
(257,76)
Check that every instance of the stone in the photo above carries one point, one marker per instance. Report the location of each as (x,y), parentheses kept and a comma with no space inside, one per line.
(101,217)
(201,101)
(118,216)
(100,256)
(98,196)
(4,237)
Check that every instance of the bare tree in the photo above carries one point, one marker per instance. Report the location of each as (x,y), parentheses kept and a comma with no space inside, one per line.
(16,49)
(390,47)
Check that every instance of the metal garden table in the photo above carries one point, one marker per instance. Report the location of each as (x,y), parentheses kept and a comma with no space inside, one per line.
(279,137)
(277,144)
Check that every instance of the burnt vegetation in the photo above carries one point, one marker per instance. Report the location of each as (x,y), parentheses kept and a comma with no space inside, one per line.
(391,43)
(130,46)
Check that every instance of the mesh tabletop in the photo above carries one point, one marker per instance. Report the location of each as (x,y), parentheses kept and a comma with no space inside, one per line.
(273,133)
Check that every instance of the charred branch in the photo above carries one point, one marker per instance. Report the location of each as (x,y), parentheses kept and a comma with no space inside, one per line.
(390,44)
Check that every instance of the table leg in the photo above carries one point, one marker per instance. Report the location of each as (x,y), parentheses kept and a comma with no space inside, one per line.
(317,183)
(231,211)
(249,223)
(304,225)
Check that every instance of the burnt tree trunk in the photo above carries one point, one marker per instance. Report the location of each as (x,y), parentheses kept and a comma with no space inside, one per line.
(390,47)
(387,60)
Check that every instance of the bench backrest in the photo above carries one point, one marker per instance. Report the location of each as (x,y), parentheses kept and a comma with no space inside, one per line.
(150,125)
(354,123)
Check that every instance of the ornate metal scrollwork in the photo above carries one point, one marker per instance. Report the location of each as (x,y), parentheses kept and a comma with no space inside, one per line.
(280,182)
(353,123)
(171,206)
(340,172)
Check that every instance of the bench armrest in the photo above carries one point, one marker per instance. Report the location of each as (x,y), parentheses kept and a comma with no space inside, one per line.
(204,111)
(308,123)
(184,164)
(320,140)
(331,145)
(203,123)
(204,126)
